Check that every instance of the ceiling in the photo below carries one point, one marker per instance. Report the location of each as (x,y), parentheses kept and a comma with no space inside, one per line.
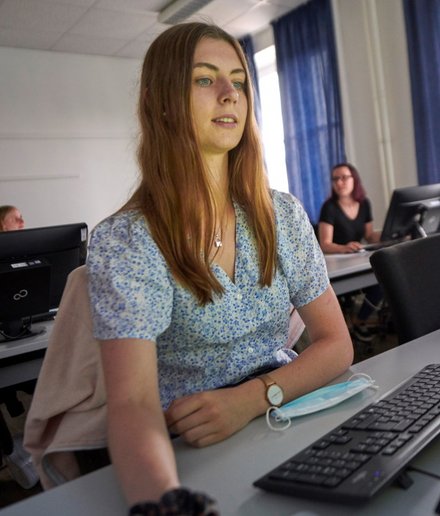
(122,28)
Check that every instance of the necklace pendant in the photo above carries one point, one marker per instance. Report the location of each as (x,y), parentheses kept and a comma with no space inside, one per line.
(217,242)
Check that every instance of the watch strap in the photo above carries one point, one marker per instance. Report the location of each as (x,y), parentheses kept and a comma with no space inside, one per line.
(267,380)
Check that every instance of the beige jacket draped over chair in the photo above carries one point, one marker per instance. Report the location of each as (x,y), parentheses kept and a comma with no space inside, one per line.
(68,410)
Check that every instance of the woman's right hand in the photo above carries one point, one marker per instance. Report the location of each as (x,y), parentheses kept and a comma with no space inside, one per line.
(352,247)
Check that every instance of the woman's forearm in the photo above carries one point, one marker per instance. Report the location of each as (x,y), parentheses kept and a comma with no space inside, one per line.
(141,452)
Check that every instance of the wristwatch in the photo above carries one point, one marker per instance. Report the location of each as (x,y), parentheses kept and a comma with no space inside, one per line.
(274,393)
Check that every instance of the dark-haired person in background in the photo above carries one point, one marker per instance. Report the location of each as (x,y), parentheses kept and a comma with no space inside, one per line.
(344,222)
(10,218)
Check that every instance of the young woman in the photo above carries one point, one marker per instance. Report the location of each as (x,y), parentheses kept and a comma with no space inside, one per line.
(344,222)
(10,218)
(191,282)
(346,218)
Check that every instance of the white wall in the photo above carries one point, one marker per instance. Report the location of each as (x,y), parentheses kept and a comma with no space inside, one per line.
(67,134)
(376,97)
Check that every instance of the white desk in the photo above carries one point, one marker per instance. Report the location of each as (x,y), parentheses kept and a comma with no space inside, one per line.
(20,360)
(226,470)
(349,272)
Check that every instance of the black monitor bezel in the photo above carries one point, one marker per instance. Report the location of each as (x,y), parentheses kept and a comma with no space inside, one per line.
(407,207)
(63,246)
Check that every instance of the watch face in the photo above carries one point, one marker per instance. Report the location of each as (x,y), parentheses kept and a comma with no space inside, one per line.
(275,395)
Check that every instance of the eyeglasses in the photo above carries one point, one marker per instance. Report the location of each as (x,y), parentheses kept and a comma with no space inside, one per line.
(344,179)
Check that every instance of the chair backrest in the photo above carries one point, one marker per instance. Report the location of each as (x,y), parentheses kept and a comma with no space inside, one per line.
(410,276)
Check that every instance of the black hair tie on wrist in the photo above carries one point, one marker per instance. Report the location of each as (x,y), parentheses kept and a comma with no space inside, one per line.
(177,502)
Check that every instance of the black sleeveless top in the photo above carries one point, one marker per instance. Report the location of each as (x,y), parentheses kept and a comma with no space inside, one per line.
(345,229)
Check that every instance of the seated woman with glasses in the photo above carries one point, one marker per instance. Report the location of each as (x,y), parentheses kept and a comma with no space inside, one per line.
(346,217)
(344,222)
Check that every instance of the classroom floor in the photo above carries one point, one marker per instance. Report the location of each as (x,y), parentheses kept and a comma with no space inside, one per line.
(11,492)
(380,343)
(381,327)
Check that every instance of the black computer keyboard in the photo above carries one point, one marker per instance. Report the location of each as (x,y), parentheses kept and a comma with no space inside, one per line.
(382,243)
(354,461)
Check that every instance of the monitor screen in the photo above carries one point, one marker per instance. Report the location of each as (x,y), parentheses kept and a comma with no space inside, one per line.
(413,212)
(34,265)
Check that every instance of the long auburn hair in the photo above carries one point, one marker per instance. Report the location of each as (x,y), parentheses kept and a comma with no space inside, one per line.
(174,193)
(358,193)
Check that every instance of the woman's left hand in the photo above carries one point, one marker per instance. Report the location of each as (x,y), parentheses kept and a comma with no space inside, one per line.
(207,417)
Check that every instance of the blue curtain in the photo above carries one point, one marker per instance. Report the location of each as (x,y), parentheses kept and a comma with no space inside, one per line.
(307,72)
(422,19)
(248,48)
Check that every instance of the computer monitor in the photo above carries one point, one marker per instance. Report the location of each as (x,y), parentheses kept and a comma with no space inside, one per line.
(34,265)
(413,212)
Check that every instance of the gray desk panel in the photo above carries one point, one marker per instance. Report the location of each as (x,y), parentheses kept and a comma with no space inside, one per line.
(346,284)
(349,272)
(23,346)
(27,368)
(227,469)
(21,372)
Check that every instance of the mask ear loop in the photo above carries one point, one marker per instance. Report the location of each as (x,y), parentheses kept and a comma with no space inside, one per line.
(279,428)
(367,377)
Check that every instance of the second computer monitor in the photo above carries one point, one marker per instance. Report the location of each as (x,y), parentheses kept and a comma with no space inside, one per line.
(34,266)
(414,211)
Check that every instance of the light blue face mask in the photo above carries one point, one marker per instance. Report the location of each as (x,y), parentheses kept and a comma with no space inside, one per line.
(319,399)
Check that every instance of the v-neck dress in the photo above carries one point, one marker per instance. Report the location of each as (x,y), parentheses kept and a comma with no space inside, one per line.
(134,295)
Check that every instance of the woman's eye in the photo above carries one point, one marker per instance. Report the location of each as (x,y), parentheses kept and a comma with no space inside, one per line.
(238,85)
(204,81)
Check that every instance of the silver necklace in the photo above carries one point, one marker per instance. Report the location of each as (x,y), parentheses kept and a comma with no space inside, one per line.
(218,236)
(218,241)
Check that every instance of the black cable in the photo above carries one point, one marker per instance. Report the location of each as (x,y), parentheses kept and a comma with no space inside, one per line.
(423,472)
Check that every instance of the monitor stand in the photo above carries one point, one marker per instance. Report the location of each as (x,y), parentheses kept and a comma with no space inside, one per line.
(426,221)
(418,231)
(17,330)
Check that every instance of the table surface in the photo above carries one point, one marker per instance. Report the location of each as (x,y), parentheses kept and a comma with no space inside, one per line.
(227,470)
(350,263)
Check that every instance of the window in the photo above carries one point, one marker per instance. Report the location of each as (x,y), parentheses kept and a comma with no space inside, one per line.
(272,122)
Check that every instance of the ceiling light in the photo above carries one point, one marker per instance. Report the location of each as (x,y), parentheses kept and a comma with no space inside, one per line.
(179,10)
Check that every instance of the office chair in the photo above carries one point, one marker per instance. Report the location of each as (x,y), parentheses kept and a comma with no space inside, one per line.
(410,277)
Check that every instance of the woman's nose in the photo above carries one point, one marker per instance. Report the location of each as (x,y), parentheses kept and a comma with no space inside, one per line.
(229,93)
